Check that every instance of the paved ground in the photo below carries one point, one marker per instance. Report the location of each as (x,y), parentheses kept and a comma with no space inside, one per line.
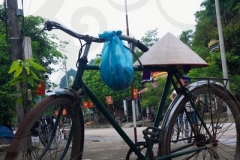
(107,150)
(97,150)
(103,143)
(100,147)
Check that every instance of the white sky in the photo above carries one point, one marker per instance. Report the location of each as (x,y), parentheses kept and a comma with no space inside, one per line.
(95,16)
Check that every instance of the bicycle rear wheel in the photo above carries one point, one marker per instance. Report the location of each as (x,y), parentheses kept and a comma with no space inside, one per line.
(220,114)
(26,146)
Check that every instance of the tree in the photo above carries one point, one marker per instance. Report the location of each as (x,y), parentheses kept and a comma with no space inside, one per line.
(153,93)
(47,48)
(45,52)
(69,73)
(31,77)
(186,37)
(150,38)
(206,30)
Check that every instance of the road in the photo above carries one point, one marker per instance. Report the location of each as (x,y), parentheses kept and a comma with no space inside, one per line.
(103,144)
(109,134)
(106,144)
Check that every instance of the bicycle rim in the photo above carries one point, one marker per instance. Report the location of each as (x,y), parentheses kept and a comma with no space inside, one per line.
(220,115)
(25,146)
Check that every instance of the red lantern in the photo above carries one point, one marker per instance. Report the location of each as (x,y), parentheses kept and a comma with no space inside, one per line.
(64,112)
(85,105)
(40,89)
(91,105)
(135,93)
(109,100)
(56,113)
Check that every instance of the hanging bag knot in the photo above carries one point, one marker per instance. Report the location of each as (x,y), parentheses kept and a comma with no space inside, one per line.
(116,68)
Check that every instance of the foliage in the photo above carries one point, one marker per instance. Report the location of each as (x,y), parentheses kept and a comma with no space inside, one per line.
(153,93)
(46,52)
(28,72)
(7,101)
(7,105)
(47,49)
(17,67)
(186,37)
(150,38)
(206,30)
(70,73)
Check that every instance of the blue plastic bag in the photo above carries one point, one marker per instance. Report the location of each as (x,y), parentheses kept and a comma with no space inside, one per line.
(116,68)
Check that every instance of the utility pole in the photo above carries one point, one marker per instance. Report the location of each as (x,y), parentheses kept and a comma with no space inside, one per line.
(15,43)
(14,31)
(132,87)
(65,70)
(221,44)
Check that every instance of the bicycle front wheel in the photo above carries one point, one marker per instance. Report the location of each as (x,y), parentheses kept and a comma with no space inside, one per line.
(26,145)
(217,136)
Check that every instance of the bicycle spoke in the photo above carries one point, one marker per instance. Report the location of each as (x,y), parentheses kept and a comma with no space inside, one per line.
(218,135)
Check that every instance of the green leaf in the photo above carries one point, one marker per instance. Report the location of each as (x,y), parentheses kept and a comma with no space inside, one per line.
(15,82)
(37,66)
(26,67)
(18,71)
(32,82)
(34,75)
(14,66)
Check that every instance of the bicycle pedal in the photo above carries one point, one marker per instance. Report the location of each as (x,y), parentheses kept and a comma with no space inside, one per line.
(152,134)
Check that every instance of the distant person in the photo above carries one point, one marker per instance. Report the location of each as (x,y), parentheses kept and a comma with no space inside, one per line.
(190,111)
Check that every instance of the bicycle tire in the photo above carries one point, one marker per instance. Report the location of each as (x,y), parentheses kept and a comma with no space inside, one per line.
(18,148)
(225,141)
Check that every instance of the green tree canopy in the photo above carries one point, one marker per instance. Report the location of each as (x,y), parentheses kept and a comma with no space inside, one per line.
(46,52)
(207,30)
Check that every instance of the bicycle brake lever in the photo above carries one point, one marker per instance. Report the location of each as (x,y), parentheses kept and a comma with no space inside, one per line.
(48,25)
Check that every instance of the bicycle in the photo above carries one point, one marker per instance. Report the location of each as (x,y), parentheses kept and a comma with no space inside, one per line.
(208,140)
(43,130)
(181,131)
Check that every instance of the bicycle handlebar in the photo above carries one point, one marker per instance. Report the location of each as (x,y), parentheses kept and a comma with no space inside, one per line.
(49,25)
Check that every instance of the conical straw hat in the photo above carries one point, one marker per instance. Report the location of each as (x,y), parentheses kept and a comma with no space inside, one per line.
(170,51)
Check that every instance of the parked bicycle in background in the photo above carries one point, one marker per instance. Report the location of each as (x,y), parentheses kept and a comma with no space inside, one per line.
(43,129)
